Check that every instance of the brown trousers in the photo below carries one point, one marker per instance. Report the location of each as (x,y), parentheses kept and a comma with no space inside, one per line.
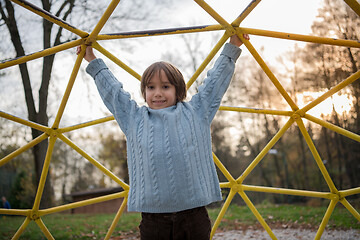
(192,224)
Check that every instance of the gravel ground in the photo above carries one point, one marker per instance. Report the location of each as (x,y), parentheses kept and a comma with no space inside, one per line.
(288,234)
(281,234)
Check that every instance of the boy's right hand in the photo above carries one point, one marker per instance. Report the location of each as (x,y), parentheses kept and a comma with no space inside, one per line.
(235,40)
(89,54)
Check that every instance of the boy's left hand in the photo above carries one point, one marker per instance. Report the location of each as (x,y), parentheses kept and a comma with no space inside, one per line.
(235,40)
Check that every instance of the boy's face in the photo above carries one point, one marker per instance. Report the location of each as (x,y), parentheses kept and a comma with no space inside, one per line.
(159,92)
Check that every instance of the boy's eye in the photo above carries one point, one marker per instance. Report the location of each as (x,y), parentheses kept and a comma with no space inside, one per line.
(150,87)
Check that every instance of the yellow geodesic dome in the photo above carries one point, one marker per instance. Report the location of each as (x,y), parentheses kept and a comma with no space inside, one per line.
(235,184)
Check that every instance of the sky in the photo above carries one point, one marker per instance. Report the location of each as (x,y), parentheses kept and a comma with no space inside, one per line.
(276,15)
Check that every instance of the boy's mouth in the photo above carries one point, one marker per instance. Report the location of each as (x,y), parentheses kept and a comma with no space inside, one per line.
(159,101)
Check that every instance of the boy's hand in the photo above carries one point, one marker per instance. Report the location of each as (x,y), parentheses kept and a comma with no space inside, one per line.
(89,54)
(235,40)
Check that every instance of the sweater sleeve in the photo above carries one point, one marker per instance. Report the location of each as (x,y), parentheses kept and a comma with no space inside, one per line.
(115,98)
(207,100)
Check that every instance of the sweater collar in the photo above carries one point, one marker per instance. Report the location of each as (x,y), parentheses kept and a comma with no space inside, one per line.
(163,110)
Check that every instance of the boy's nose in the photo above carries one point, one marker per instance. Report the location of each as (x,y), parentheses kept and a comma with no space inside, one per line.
(158,92)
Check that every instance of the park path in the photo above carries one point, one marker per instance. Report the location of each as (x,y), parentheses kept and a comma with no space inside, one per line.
(281,234)
(288,234)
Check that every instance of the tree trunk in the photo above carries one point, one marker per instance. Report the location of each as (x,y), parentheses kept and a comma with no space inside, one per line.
(39,151)
(341,149)
(352,165)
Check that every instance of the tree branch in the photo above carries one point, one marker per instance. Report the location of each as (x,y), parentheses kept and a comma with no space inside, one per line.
(16,40)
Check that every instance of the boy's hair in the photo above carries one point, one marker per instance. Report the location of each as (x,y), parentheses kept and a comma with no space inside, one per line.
(172,73)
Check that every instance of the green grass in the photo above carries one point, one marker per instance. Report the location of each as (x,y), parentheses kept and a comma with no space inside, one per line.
(80,226)
(291,215)
(66,226)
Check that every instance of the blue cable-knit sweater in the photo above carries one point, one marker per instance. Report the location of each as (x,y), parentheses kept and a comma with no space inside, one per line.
(169,154)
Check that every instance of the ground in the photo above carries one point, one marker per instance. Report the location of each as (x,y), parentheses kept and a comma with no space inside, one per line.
(282,232)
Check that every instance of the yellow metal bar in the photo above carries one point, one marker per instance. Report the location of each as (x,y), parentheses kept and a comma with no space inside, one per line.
(350,208)
(94,162)
(349,192)
(225,185)
(207,60)
(161,32)
(316,155)
(245,13)
(44,229)
(333,127)
(222,212)
(223,169)
(326,218)
(86,124)
(113,4)
(17,152)
(116,219)
(288,191)
(214,14)
(82,203)
(43,53)
(117,61)
(18,212)
(24,122)
(354,5)
(262,154)
(21,228)
(44,173)
(267,71)
(256,110)
(68,89)
(48,16)
(300,37)
(217,27)
(257,214)
(332,91)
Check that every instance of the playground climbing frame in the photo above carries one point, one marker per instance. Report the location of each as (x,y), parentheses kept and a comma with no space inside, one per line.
(236,186)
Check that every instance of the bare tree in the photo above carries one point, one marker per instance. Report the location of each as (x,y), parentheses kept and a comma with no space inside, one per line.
(52,35)
(40,115)
(327,66)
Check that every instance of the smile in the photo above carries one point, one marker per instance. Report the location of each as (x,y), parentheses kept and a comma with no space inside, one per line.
(159,101)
